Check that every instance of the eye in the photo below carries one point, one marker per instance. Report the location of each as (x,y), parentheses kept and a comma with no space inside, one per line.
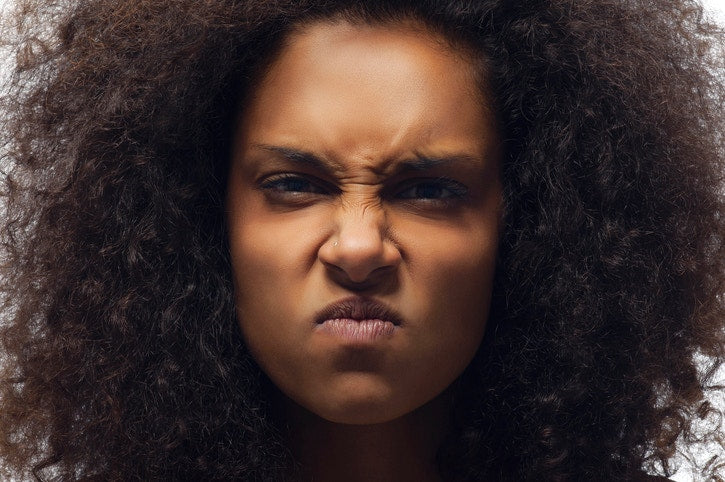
(440,189)
(292,184)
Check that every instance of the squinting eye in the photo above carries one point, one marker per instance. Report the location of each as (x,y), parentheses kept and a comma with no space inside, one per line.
(434,189)
(289,183)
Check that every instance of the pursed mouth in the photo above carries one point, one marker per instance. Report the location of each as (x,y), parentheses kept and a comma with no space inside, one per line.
(359,309)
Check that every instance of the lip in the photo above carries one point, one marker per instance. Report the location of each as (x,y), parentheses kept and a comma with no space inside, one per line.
(358,320)
(359,309)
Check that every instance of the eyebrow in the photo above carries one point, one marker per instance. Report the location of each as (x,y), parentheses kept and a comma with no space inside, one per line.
(299,157)
(423,163)
(419,163)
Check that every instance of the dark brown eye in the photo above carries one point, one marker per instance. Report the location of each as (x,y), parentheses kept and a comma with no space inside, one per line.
(291,183)
(432,189)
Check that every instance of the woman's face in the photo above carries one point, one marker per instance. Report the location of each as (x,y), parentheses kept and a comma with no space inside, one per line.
(363,208)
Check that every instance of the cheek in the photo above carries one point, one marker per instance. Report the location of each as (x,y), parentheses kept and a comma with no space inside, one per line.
(264,247)
(264,257)
(272,255)
(456,265)
(263,287)
(452,279)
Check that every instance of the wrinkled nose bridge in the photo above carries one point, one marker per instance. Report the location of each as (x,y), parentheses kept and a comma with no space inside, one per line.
(358,246)
(360,225)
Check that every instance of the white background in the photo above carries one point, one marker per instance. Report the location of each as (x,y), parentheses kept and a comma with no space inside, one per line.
(717,8)
(716,11)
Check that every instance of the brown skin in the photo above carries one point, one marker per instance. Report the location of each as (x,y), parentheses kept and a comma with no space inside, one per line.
(365,101)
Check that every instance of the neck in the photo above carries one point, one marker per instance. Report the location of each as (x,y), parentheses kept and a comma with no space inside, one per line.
(403,449)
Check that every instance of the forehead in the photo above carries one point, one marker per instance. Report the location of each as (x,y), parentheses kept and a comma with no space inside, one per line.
(365,90)
(414,36)
(406,46)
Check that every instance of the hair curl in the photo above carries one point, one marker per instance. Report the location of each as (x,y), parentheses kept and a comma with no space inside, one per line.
(122,359)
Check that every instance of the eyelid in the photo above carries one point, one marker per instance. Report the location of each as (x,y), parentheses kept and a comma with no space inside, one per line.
(267,181)
(458,189)
(454,192)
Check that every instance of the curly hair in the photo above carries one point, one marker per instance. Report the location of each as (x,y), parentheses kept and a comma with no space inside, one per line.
(122,358)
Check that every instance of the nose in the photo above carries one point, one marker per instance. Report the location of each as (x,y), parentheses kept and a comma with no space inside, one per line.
(360,250)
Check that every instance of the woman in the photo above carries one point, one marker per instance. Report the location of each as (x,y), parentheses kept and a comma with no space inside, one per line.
(385,240)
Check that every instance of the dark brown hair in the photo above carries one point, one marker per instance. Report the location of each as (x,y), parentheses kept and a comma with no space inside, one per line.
(122,358)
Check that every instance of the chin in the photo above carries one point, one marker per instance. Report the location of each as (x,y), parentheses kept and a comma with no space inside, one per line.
(360,412)
(361,403)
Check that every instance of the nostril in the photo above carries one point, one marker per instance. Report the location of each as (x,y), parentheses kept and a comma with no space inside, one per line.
(357,265)
(379,277)
(359,249)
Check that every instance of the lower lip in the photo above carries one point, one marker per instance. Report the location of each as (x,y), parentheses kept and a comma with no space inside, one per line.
(358,331)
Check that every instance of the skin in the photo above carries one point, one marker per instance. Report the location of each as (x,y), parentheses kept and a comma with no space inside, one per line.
(332,194)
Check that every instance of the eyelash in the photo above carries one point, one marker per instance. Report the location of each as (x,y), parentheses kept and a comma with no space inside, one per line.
(275,184)
(282,187)
(456,190)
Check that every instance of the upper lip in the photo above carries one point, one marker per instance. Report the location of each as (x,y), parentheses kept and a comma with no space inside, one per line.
(358,308)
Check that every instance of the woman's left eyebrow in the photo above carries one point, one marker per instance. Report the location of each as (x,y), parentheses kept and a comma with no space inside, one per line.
(423,163)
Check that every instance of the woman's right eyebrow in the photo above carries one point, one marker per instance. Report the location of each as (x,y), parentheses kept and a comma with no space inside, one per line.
(298,156)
